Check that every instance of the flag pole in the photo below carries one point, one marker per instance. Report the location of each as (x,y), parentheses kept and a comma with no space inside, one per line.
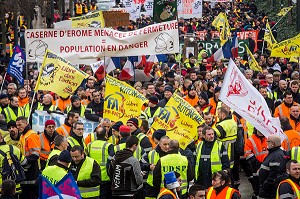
(3,81)
(277,22)
(263,46)
(31,106)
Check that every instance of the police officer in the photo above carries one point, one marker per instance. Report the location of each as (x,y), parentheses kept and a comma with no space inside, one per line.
(174,162)
(56,172)
(211,157)
(133,124)
(12,111)
(86,172)
(60,144)
(76,136)
(151,160)
(76,106)
(102,151)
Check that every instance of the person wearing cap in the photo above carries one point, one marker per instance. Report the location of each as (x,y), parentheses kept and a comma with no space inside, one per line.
(13,137)
(60,144)
(272,166)
(125,171)
(102,151)
(22,95)
(86,172)
(76,106)
(145,143)
(191,97)
(47,141)
(76,136)
(170,76)
(65,128)
(153,109)
(12,111)
(125,134)
(149,161)
(173,161)
(94,110)
(290,188)
(46,104)
(285,107)
(115,129)
(171,186)
(221,187)
(168,92)
(204,102)
(214,101)
(56,172)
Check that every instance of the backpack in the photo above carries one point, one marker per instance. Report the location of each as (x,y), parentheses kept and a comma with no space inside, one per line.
(240,141)
(11,167)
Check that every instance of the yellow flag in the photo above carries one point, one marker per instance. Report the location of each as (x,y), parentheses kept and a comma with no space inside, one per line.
(93,20)
(225,32)
(287,48)
(284,11)
(252,61)
(59,75)
(268,37)
(179,119)
(122,101)
(294,59)
(219,21)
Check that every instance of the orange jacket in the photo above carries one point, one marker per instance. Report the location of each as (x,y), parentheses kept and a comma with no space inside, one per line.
(46,147)
(295,125)
(62,104)
(149,134)
(213,104)
(226,193)
(90,138)
(23,101)
(283,110)
(165,191)
(191,101)
(64,130)
(29,143)
(254,146)
(292,139)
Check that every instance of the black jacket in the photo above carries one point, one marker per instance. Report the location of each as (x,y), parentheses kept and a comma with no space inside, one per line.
(78,138)
(145,142)
(285,188)
(270,104)
(162,103)
(93,111)
(272,166)
(125,173)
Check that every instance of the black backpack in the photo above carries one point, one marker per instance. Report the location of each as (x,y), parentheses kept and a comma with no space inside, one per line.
(11,167)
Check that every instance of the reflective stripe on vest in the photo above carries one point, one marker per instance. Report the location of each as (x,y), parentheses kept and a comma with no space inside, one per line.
(53,153)
(65,130)
(54,173)
(295,154)
(287,142)
(294,186)
(280,110)
(178,163)
(78,9)
(141,136)
(43,151)
(165,191)
(256,152)
(211,194)
(22,142)
(98,150)
(137,154)
(73,142)
(215,157)
(84,174)
(153,158)
(10,114)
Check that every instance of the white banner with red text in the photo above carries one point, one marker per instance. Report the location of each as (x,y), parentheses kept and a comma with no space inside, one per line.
(238,93)
(89,43)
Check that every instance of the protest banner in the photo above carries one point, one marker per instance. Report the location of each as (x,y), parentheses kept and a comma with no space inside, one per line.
(241,35)
(40,117)
(287,48)
(179,119)
(133,8)
(148,5)
(239,94)
(189,8)
(59,75)
(89,43)
(164,10)
(115,18)
(122,101)
(92,20)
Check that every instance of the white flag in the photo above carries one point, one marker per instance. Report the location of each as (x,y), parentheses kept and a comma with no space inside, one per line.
(243,98)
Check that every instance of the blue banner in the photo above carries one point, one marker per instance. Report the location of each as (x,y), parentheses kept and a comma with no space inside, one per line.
(17,64)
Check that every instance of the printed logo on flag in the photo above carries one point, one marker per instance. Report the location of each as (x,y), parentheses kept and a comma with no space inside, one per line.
(236,87)
(17,64)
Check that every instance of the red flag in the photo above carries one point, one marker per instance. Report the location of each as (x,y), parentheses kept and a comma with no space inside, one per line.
(142,61)
(150,61)
(127,71)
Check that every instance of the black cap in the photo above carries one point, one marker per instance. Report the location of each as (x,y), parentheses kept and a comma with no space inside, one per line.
(169,88)
(204,96)
(117,125)
(2,96)
(217,89)
(74,98)
(65,156)
(159,133)
(191,87)
(31,94)
(11,123)
(153,99)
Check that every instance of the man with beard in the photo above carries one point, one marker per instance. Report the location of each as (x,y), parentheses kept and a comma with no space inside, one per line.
(285,107)
(94,110)
(278,92)
(294,117)
(65,128)
(191,97)
(14,136)
(76,106)
(168,92)
(294,86)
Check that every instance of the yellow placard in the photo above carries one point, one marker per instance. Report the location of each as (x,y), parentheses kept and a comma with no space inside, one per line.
(179,119)
(287,48)
(91,20)
(59,75)
(122,101)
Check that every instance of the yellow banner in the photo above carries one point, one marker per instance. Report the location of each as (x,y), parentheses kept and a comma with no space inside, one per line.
(252,61)
(284,11)
(122,101)
(179,119)
(287,48)
(59,75)
(93,20)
